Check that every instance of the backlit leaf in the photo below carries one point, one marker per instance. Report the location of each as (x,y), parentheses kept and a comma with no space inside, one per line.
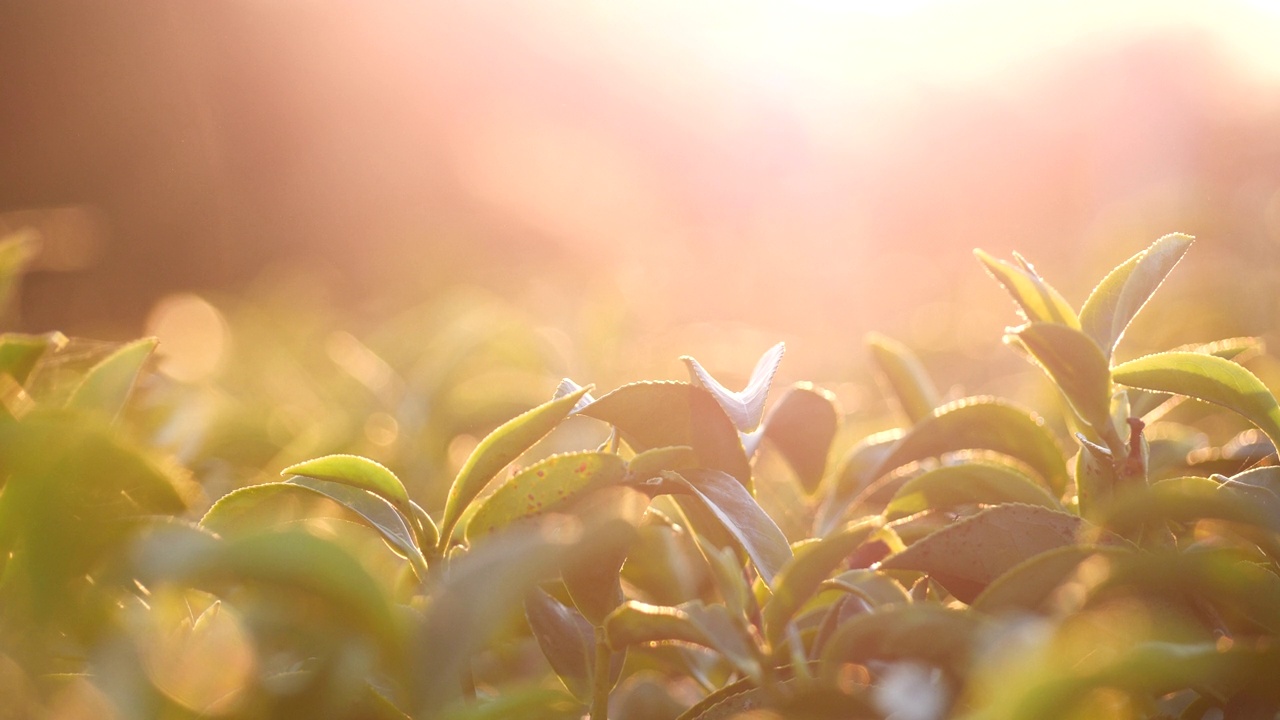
(802,425)
(871,585)
(107,386)
(497,450)
(651,463)
(1029,584)
(376,511)
(19,353)
(745,407)
(710,626)
(664,414)
(925,632)
(1077,366)
(543,487)
(16,252)
(908,383)
(800,577)
(739,514)
(967,483)
(984,423)
(968,555)
(1037,301)
(358,472)
(567,641)
(1125,290)
(1208,378)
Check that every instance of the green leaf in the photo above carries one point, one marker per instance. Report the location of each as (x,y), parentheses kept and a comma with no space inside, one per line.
(526,703)
(1027,586)
(801,576)
(16,251)
(427,532)
(968,483)
(1037,301)
(566,639)
(739,514)
(1191,498)
(1125,290)
(663,414)
(905,377)
(984,423)
(802,425)
(594,584)
(376,511)
(358,472)
(651,463)
(1077,367)
(968,555)
(542,487)
(1237,349)
(1208,378)
(242,511)
(296,562)
(926,632)
(871,585)
(497,450)
(710,626)
(19,353)
(746,407)
(856,471)
(108,384)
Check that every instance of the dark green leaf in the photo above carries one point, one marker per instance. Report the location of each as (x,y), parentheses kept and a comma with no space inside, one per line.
(983,423)
(664,414)
(968,483)
(908,383)
(755,532)
(746,407)
(1037,301)
(1077,367)
(593,584)
(1208,378)
(567,640)
(800,577)
(497,450)
(802,426)
(543,487)
(1125,290)
(107,386)
(968,555)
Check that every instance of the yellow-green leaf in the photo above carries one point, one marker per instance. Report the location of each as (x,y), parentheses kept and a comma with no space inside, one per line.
(1037,301)
(543,487)
(908,383)
(1077,366)
(358,472)
(983,423)
(1208,378)
(968,483)
(508,442)
(1125,290)
(107,385)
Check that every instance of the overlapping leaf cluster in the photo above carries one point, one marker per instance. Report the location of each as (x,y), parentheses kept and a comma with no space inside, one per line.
(970,563)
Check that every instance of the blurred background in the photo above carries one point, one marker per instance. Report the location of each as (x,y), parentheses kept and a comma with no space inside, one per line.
(628,182)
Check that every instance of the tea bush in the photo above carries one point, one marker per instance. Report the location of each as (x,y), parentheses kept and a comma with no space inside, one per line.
(973,562)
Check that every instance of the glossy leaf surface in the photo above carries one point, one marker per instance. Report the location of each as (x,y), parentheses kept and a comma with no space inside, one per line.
(543,487)
(967,483)
(745,407)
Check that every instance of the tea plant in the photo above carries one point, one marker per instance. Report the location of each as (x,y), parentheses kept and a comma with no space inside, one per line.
(970,563)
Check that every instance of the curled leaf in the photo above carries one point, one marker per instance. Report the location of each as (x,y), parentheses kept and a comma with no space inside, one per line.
(745,407)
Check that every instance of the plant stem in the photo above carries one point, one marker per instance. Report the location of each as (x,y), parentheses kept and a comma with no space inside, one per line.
(603,680)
